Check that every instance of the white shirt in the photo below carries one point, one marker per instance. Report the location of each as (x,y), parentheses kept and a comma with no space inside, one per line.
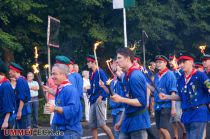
(86,83)
(33,84)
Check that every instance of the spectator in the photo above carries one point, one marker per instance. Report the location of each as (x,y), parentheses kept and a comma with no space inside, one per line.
(86,86)
(34,87)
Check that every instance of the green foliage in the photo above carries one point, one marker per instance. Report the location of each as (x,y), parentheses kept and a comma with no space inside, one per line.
(172,26)
(9,41)
(97,32)
(19,22)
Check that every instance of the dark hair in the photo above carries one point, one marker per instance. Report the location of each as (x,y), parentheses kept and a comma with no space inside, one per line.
(126,52)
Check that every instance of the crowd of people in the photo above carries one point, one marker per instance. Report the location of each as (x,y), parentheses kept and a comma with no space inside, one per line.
(173,90)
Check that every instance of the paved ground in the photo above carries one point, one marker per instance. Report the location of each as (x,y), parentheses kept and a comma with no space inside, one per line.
(87,133)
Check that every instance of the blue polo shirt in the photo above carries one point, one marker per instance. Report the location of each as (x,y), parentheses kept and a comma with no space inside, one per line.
(69,100)
(192,94)
(136,89)
(7,101)
(23,93)
(76,80)
(165,84)
(117,89)
(95,91)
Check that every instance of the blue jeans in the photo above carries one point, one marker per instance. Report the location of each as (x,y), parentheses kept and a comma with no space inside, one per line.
(195,130)
(116,119)
(35,109)
(139,134)
(22,124)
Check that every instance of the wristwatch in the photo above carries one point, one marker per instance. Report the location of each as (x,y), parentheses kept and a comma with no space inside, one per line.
(55,109)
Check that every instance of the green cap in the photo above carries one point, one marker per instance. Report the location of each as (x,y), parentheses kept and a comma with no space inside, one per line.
(90,58)
(62,60)
(162,58)
(16,67)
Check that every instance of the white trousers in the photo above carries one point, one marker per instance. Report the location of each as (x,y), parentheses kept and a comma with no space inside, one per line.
(87,106)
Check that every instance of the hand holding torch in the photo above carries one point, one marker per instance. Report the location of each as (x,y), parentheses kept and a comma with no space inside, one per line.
(108,82)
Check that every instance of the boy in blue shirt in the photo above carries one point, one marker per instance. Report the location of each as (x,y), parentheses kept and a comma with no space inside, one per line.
(117,88)
(97,99)
(193,89)
(23,95)
(135,119)
(165,82)
(7,102)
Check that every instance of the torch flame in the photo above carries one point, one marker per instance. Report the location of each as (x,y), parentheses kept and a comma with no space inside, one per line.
(202,48)
(46,66)
(108,61)
(35,68)
(98,43)
(133,48)
(36,52)
(108,65)
(174,62)
(109,81)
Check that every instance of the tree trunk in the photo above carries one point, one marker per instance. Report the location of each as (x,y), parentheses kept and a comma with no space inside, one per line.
(8,55)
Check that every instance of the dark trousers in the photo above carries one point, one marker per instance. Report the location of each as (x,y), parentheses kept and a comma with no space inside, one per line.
(116,119)
(22,124)
(34,113)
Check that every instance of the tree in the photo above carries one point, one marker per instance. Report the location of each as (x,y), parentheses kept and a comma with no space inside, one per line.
(172,26)
(19,26)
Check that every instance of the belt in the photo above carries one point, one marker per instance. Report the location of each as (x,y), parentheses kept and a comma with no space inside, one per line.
(133,114)
(163,102)
(96,94)
(194,108)
(35,97)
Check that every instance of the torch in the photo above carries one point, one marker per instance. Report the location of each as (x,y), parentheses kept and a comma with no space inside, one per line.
(95,55)
(202,48)
(108,82)
(134,47)
(174,63)
(46,66)
(108,65)
(152,87)
(36,72)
